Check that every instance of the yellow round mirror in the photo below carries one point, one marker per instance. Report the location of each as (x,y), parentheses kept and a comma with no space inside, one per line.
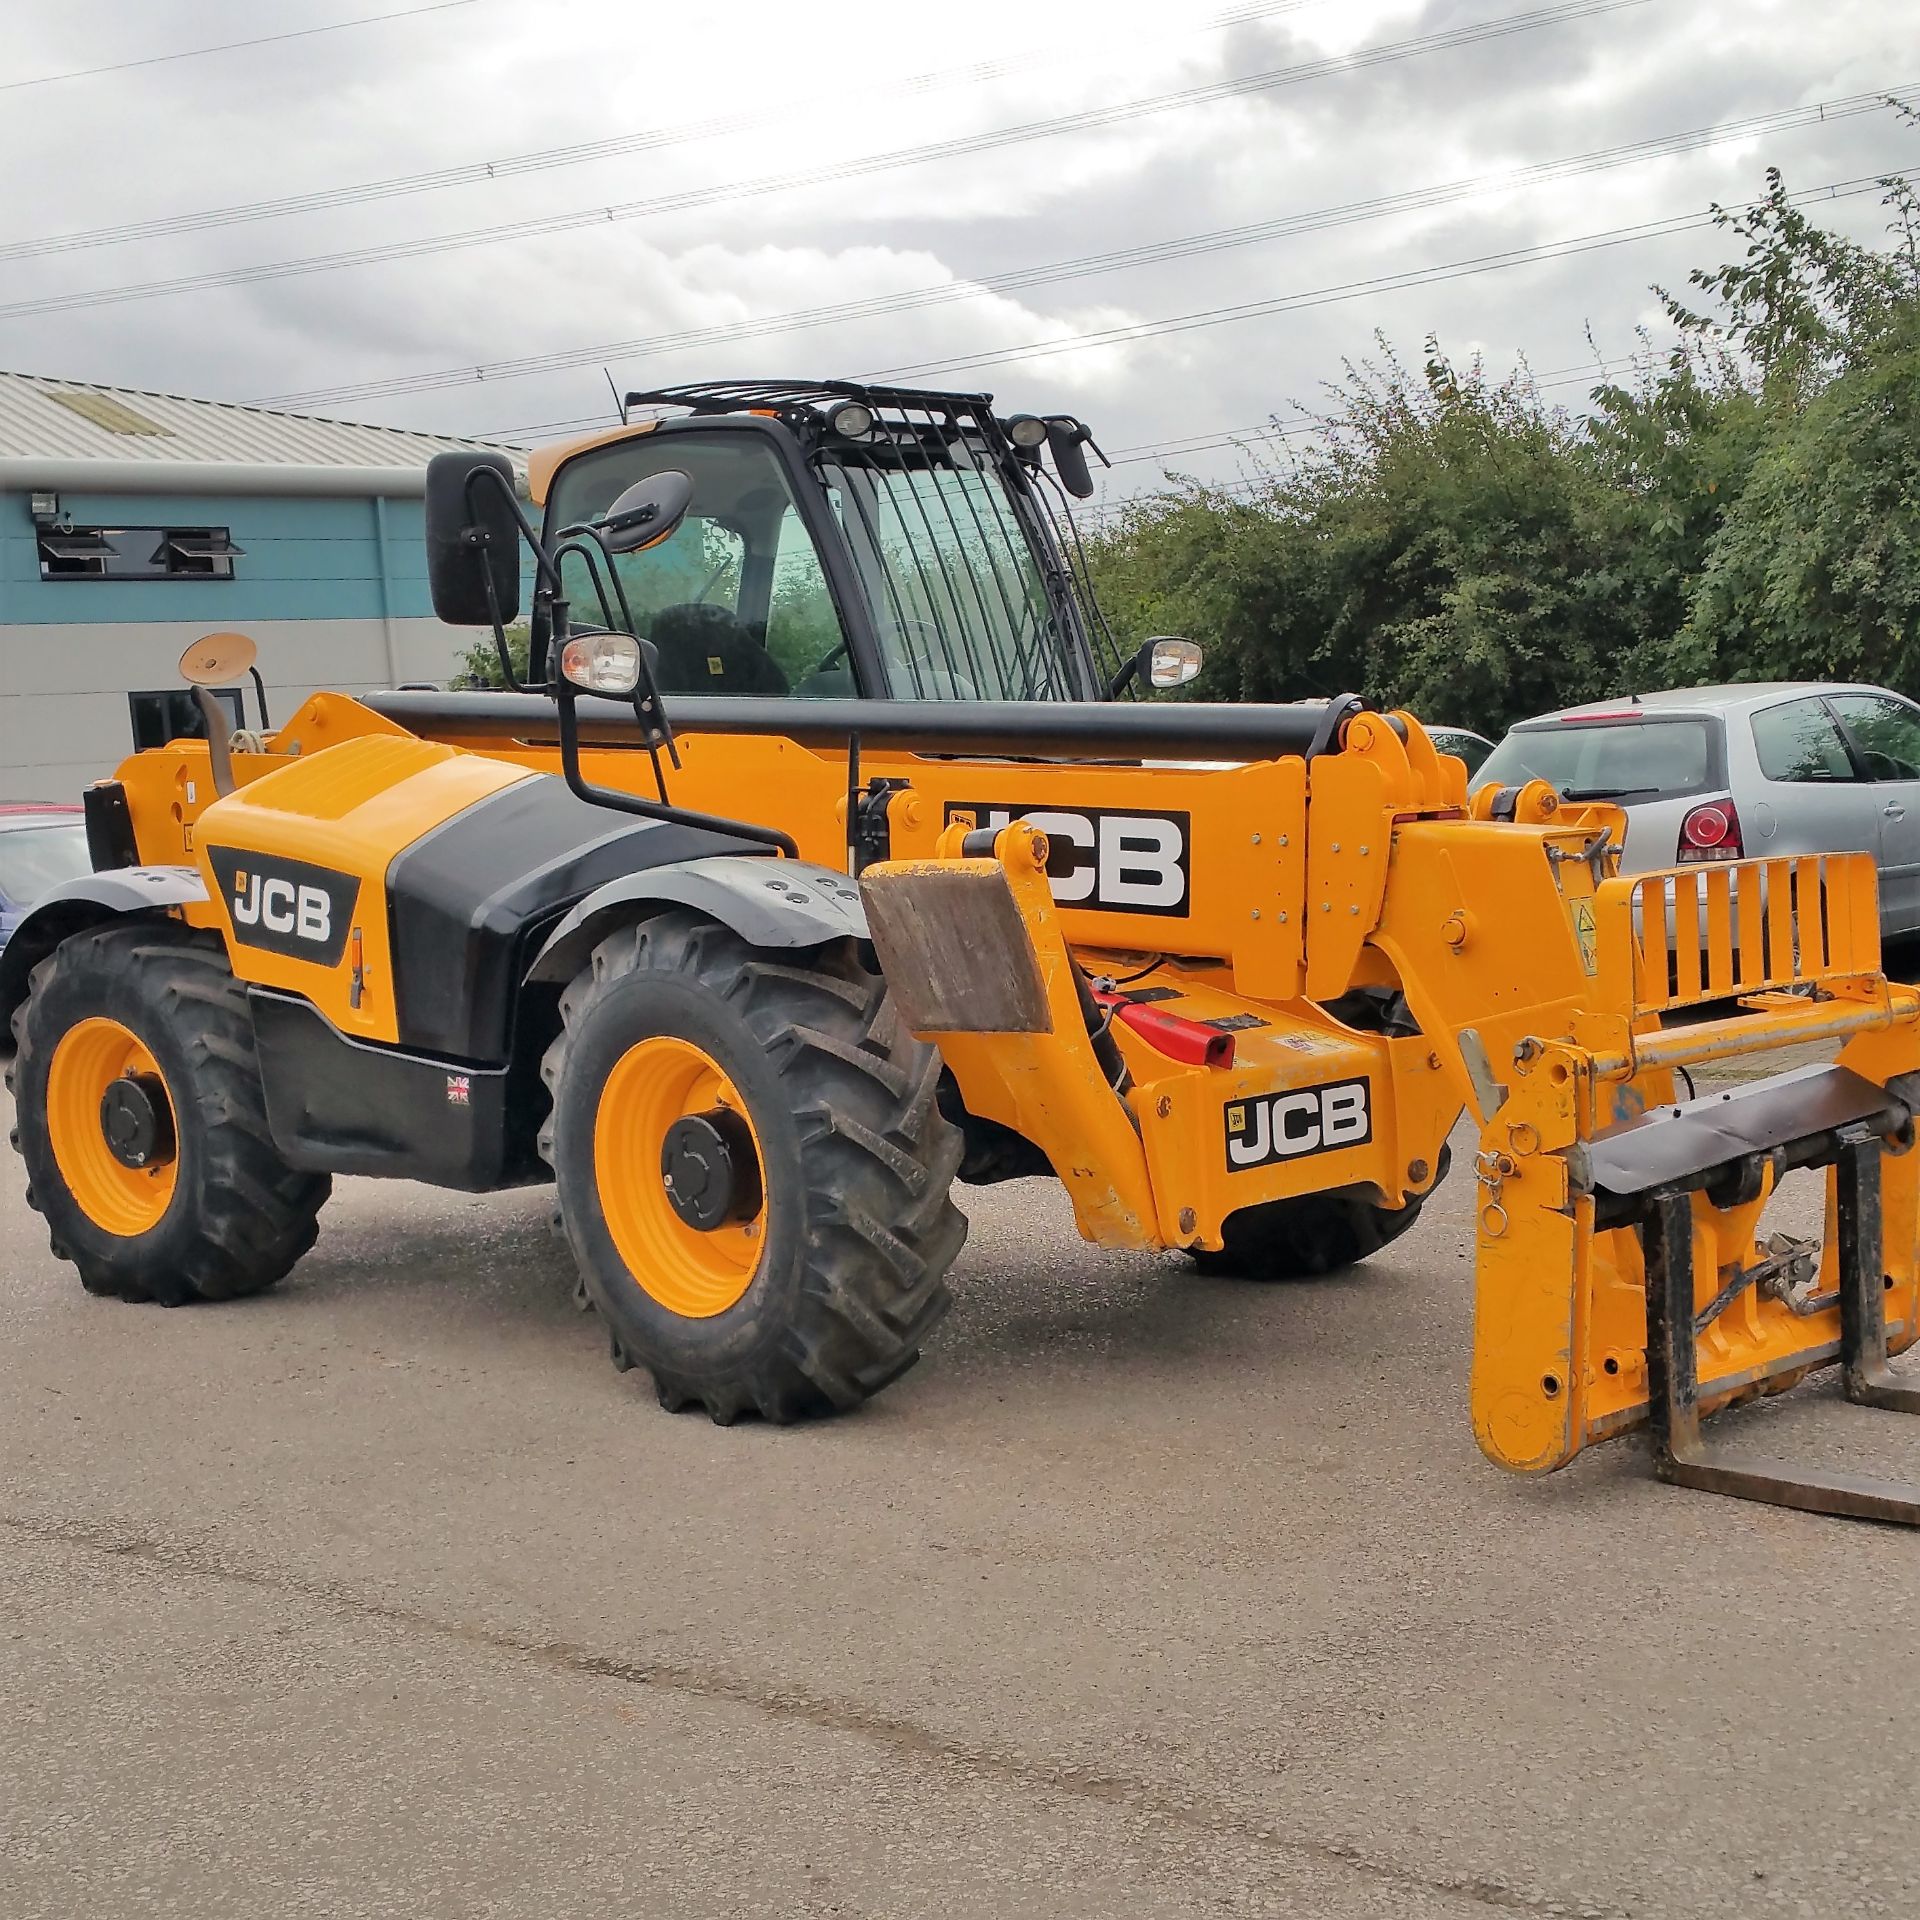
(217,659)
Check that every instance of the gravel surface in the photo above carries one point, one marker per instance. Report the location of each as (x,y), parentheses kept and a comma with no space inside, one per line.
(1143,1594)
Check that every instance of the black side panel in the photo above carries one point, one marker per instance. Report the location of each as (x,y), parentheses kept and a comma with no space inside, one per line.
(469,902)
(338,1105)
(110,841)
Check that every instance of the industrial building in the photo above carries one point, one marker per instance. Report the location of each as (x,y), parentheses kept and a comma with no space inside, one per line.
(132,523)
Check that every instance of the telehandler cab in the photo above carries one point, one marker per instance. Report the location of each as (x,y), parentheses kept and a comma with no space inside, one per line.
(877,881)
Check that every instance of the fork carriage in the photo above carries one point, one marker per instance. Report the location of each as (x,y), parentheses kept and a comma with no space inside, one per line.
(1622,1279)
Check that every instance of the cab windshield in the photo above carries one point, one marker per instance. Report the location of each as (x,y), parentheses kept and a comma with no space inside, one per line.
(738,601)
(952,580)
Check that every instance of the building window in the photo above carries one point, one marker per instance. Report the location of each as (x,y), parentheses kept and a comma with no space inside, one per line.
(137,553)
(175,715)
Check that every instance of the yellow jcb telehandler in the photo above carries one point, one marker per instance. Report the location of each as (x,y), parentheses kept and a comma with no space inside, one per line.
(825,864)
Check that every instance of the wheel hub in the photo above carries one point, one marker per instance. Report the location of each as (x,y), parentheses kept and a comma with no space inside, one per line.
(137,1121)
(710,1170)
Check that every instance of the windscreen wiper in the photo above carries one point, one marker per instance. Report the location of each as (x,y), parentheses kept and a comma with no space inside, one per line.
(1609,793)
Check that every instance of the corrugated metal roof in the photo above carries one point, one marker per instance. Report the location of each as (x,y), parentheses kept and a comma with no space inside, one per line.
(72,420)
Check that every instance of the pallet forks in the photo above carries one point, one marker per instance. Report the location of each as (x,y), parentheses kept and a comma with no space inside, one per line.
(1675,1309)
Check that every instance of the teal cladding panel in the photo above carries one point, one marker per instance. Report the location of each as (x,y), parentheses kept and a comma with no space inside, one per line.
(304,560)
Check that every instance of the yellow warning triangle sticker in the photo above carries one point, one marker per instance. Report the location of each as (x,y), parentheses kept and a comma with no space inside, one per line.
(1586,934)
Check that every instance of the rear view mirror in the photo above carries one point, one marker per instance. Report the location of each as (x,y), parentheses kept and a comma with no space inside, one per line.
(1066,440)
(1167,662)
(1160,663)
(649,512)
(473,539)
(216,659)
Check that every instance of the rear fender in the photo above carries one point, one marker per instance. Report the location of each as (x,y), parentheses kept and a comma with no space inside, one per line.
(768,903)
(77,905)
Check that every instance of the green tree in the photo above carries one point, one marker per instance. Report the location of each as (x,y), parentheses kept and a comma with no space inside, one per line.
(1814,572)
(1743,508)
(1434,548)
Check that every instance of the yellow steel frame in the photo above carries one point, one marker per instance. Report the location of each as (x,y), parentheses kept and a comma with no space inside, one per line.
(1539,979)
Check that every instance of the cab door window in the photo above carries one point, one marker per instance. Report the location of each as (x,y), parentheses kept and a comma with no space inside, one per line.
(736,602)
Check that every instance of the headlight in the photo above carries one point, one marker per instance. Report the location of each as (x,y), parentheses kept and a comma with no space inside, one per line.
(602,663)
(851,422)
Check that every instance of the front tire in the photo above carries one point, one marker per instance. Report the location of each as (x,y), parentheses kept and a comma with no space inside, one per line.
(796,1260)
(139,1113)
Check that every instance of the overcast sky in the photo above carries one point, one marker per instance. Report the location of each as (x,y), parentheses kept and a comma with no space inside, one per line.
(1307,109)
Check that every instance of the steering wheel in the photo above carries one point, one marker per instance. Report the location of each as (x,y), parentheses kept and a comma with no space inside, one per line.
(918,641)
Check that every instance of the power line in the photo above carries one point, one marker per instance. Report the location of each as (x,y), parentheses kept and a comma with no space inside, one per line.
(168,226)
(232,46)
(1179,247)
(1294,302)
(1092,118)
(1323,296)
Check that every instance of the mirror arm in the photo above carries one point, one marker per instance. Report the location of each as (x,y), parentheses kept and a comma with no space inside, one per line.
(565,696)
(542,558)
(569,542)
(543,561)
(539,634)
(501,651)
(655,728)
(1125,678)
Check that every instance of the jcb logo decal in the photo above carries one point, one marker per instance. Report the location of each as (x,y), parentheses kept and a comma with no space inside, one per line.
(286,906)
(1289,1126)
(1097,857)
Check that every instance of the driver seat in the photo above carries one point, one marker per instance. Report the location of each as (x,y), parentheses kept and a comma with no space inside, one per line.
(707,649)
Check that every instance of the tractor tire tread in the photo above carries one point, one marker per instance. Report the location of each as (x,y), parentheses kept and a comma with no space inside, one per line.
(875,1256)
(253,1216)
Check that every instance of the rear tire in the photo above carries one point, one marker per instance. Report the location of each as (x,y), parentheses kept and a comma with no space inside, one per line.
(821,1297)
(224,1215)
(1316,1234)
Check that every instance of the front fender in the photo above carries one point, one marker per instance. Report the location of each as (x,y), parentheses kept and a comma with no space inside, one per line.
(76,905)
(768,903)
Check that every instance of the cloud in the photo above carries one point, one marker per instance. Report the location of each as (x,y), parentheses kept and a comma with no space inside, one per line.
(815,87)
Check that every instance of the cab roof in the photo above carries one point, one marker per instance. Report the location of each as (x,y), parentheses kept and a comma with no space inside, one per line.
(709,397)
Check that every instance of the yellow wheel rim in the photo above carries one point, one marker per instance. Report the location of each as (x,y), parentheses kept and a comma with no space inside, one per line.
(121,1200)
(689,1270)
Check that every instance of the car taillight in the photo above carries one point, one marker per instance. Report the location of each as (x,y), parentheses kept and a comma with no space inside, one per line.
(1711,831)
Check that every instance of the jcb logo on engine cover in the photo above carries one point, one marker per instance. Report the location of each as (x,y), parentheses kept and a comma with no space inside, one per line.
(286,906)
(1098,857)
(1306,1120)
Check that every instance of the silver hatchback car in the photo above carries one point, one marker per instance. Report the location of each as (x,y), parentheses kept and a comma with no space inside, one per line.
(1717,773)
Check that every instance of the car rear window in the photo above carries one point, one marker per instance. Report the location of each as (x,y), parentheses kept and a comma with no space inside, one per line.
(1650,759)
